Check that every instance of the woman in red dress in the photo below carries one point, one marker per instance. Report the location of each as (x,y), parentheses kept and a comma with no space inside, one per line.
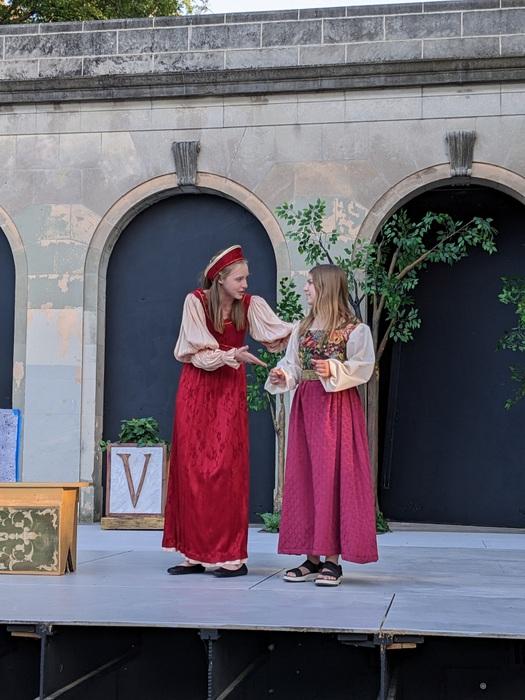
(206,514)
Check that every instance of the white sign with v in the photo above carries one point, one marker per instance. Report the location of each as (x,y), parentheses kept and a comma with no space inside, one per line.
(135,480)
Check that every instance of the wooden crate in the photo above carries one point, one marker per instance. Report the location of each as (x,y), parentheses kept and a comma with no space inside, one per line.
(130,522)
(38,527)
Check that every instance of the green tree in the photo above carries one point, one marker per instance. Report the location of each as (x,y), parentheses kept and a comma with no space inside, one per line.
(513,292)
(289,309)
(18,11)
(385,272)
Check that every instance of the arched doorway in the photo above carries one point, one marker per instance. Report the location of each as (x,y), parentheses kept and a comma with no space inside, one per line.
(7,316)
(153,265)
(451,452)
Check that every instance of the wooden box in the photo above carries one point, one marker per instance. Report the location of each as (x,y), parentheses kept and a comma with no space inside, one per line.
(38,527)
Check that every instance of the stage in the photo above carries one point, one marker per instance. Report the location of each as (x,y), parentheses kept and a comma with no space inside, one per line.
(426,585)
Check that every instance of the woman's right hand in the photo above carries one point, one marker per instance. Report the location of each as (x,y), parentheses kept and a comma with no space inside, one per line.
(277,376)
(243,355)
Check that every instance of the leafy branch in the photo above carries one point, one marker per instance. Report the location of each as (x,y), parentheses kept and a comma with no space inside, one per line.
(306,227)
(386,271)
(288,308)
(513,293)
(28,11)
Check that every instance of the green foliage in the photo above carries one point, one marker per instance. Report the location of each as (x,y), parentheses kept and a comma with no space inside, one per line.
(18,11)
(513,293)
(517,374)
(271,521)
(142,431)
(388,269)
(289,309)
(391,266)
(306,227)
(258,399)
(382,525)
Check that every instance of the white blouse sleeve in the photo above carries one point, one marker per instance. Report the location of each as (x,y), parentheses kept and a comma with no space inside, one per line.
(265,325)
(359,365)
(196,344)
(290,364)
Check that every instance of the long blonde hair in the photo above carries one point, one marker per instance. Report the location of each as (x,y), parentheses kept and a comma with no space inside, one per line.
(331,303)
(237,315)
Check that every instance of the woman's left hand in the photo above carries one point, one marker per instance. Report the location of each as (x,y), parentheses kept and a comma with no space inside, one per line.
(242,355)
(321,368)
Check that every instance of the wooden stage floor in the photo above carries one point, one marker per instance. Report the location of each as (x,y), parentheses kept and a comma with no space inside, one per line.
(458,584)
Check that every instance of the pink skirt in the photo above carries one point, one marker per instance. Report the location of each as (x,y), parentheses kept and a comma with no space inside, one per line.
(328,501)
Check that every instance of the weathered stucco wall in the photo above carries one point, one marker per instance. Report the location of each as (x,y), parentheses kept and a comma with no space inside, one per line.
(76,169)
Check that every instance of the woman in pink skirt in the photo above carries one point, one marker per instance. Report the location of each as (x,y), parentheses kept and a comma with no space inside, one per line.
(328,503)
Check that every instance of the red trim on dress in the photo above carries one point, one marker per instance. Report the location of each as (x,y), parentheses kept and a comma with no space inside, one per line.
(201,295)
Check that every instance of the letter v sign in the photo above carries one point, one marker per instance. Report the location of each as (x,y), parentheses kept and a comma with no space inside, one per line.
(134,495)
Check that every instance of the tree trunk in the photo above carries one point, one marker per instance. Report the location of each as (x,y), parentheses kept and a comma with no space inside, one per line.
(281,455)
(373,427)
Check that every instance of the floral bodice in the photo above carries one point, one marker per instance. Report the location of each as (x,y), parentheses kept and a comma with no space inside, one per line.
(318,345)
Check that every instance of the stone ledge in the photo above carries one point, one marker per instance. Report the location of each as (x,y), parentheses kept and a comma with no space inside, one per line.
(467,28)
(148,54)
(271,18)
(265,80)
(238,17)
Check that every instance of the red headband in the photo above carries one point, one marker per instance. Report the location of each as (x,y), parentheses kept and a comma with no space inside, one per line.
(228,257)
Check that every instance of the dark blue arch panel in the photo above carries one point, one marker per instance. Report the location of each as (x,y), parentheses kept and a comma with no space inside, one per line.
(7,317)
(154,264)
(452,453)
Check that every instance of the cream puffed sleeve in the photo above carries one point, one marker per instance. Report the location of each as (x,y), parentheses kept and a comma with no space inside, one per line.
(359,365)
(196,344)
(266,327)
(290,365)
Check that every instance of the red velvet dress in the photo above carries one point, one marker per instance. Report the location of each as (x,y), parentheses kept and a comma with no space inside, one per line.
(206,514)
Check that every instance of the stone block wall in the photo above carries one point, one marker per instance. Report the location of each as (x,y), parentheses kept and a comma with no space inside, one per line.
(455,29)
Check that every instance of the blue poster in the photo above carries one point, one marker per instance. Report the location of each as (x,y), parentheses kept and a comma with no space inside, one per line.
(9,443)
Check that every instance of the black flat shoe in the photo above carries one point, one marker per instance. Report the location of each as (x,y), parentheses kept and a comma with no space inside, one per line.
(181,570)
(230,573)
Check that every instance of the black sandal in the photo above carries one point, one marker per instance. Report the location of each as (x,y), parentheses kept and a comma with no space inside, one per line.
(298,575)
(181,570)
(335,571)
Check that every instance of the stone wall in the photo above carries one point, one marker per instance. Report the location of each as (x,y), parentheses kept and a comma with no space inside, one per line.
(78,164)
(411,32)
